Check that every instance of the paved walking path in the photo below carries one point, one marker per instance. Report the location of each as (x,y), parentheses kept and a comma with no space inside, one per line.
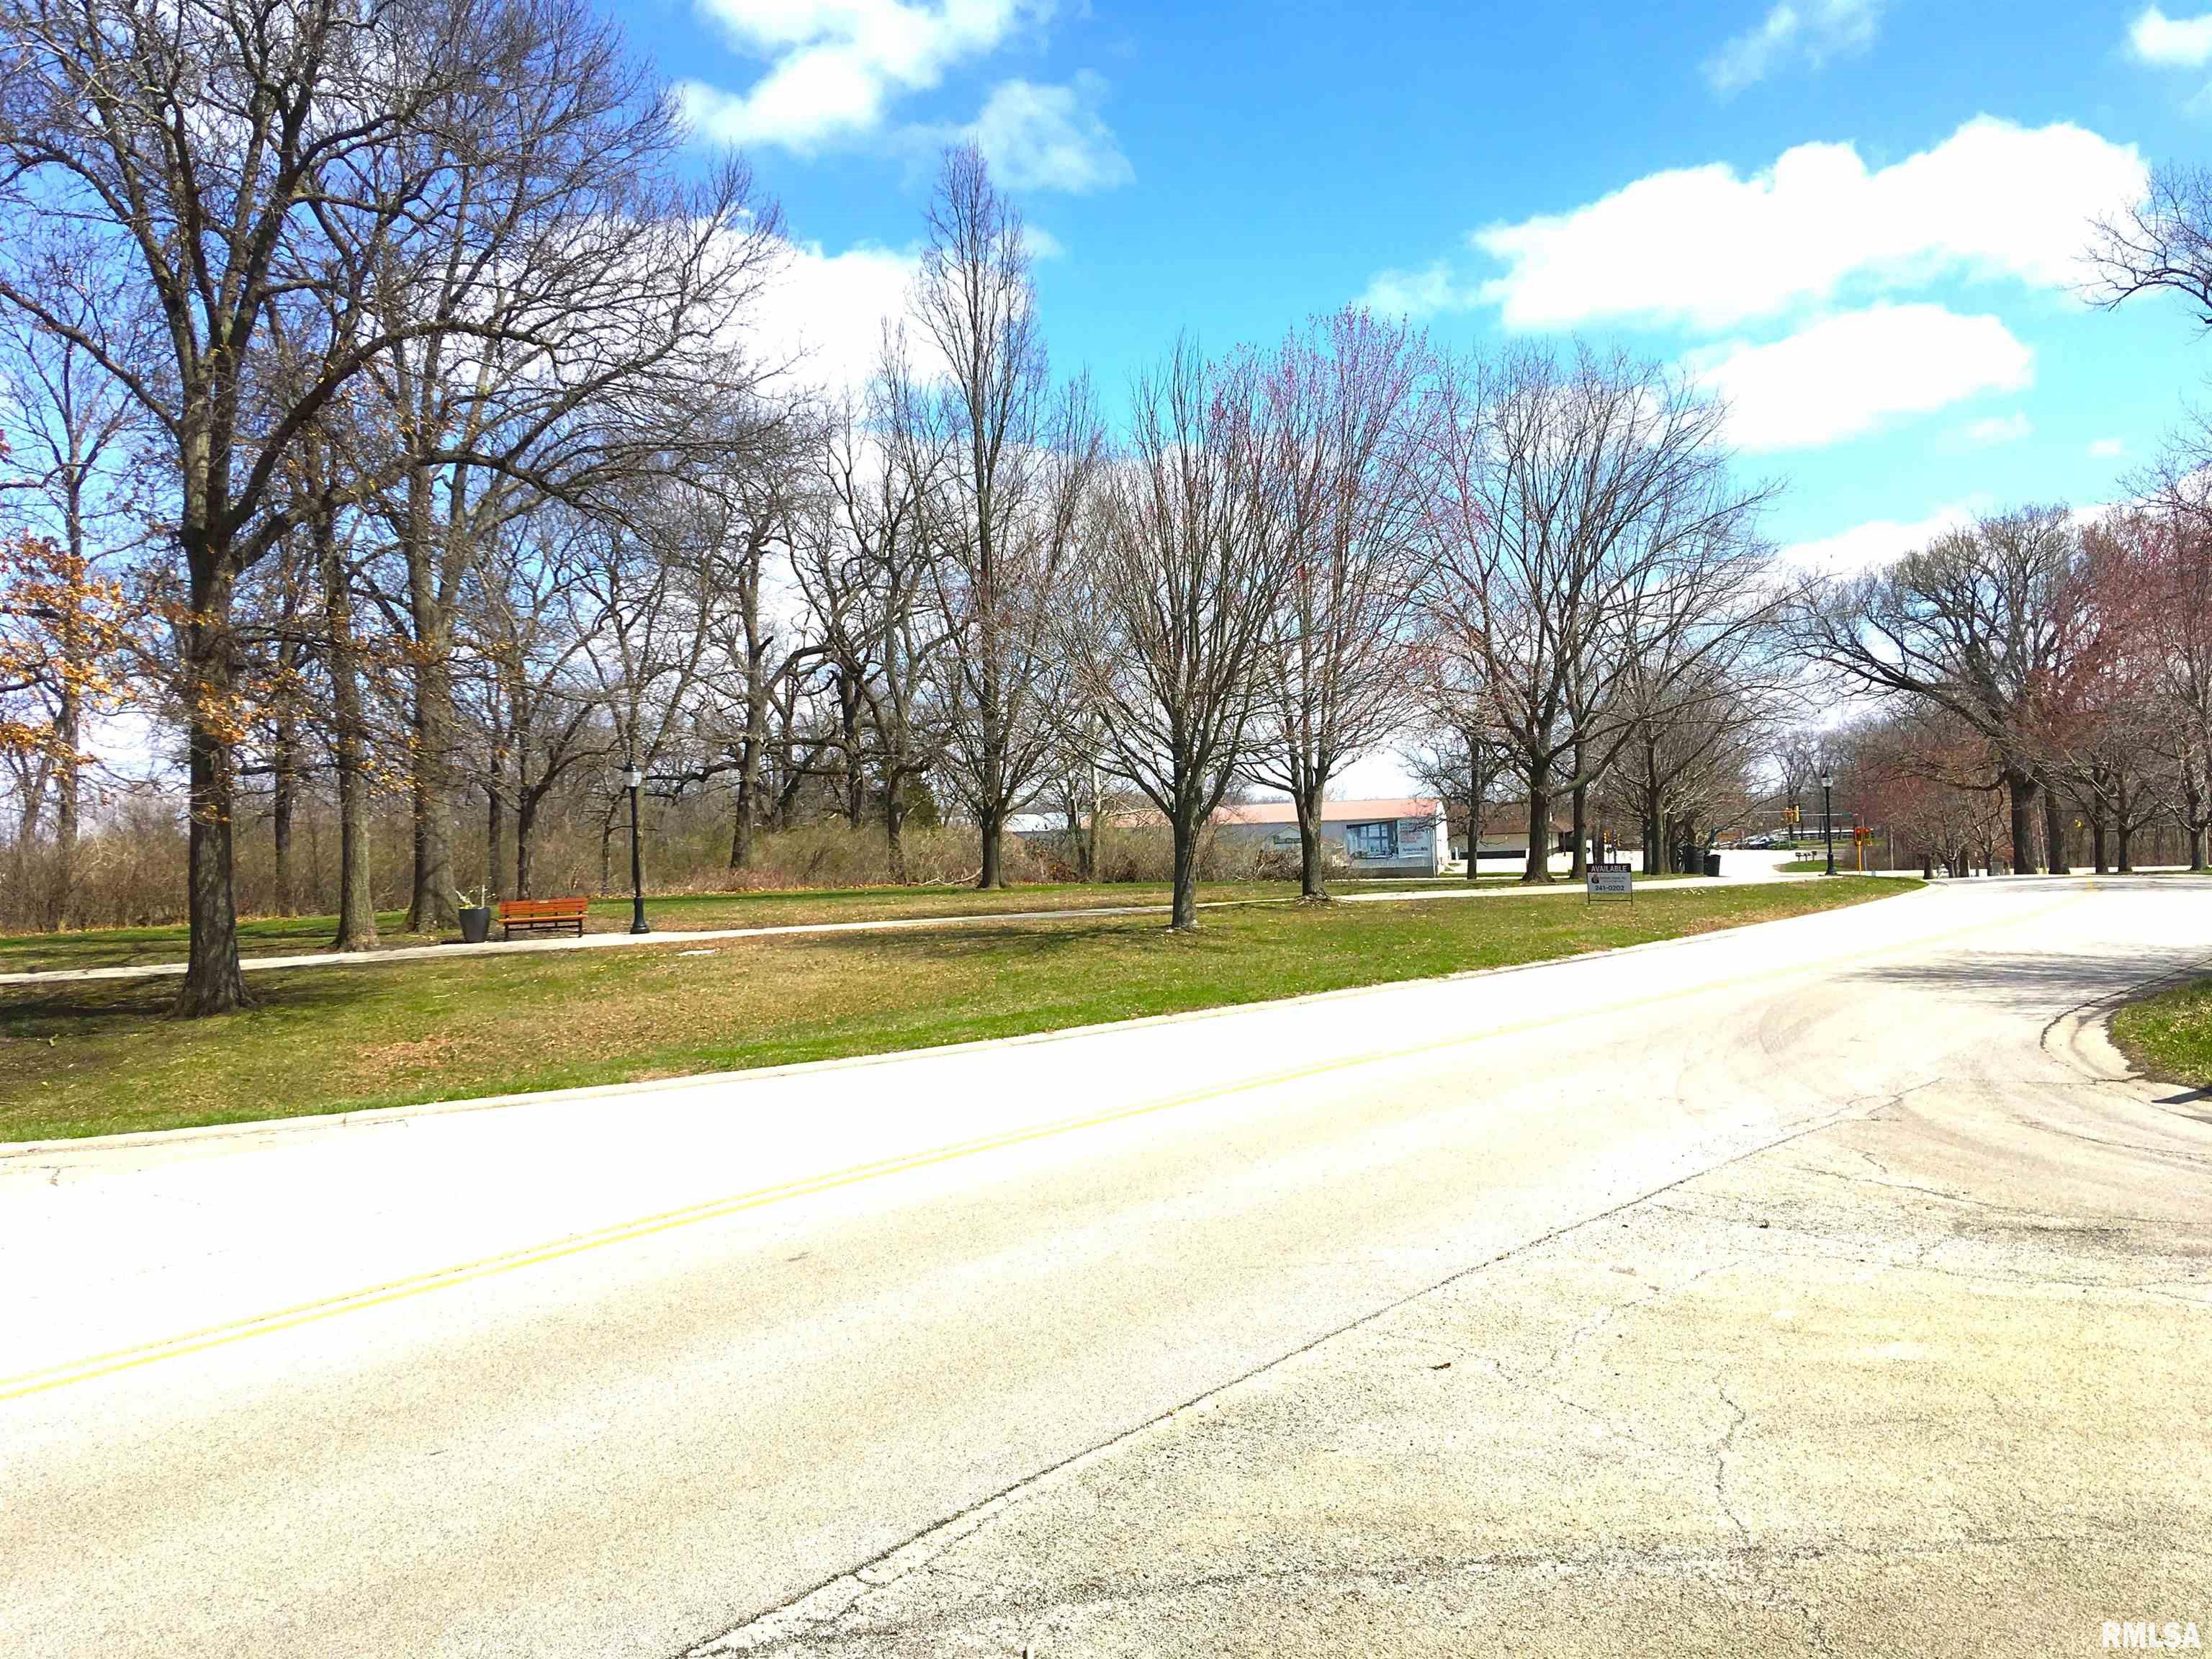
(710,935)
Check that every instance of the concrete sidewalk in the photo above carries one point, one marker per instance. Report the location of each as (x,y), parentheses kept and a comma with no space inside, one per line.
(709,935)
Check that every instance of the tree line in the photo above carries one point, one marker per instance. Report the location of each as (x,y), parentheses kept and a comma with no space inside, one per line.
(2042,677)
(391,414)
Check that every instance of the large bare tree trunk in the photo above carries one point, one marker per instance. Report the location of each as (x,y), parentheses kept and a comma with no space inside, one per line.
(496,815)
(349,746)
(431,909)
(742,833)
(2054,827)
(1182,908)
(992,821)
(2192,802)
(895,835)
(284,762)
(214,983)
(2020,789)
(1474,792)
(1539,867)
(69,723)
(1580,868)
(431,906)
(849,760)
(526,822)
(1309,865)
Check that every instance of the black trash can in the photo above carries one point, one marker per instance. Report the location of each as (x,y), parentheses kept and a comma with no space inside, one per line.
(1712,864)
(475,923)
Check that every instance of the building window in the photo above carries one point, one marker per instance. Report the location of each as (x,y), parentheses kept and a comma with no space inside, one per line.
(1371,841)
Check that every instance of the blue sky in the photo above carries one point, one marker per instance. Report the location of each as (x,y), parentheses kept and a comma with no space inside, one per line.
(1857,219)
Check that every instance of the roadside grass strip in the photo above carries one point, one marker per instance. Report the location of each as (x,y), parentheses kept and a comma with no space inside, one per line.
(86,1058)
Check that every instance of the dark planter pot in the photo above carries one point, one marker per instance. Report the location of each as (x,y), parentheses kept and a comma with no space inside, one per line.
(475,923)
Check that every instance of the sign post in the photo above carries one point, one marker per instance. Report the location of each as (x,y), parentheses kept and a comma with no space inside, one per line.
(1608,881)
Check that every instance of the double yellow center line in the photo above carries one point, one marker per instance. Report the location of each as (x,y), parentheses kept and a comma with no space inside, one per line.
(375,1296)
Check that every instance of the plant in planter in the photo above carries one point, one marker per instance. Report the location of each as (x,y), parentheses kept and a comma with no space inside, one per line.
(475,916)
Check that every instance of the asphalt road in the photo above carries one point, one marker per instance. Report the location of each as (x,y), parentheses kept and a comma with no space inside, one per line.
(1812,1287)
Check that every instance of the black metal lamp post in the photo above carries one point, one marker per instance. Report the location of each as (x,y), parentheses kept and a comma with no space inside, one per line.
(635,780)
(1828,816)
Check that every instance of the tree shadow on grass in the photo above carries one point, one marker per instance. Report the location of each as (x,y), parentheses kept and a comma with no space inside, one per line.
(92,1007)
(1019,945)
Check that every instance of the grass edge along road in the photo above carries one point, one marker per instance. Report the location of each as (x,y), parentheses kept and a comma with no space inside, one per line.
(103,1057)
(680,913)
(2168,1033)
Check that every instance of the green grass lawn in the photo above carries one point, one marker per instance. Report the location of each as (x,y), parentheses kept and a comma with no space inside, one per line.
(276,936)
(92,1058)
(2170,1035)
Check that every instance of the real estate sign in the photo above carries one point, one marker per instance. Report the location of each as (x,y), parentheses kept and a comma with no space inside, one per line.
(1609,881)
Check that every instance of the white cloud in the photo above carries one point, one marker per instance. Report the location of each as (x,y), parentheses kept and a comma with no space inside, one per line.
(1048,137)
(1847,375)
(836,64)
(1807,31)
(1709,248)
(2171,42)
(2108,449)
(1993,430)
(824,313)
(1868,546)
(1420,293)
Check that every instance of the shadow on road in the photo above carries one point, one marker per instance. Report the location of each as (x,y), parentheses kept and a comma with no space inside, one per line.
(2024,979)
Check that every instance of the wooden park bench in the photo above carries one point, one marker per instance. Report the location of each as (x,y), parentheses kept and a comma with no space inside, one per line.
(542,916)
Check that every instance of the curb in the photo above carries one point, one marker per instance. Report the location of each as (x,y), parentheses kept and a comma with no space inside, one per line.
(2082,1038)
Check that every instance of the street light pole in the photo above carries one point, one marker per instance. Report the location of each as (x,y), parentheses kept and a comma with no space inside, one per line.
(1828,817)
(635,780)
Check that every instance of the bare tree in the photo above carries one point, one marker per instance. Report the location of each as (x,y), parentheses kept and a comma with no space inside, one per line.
(1992,624)
(570,319)
(1191,547)
(1584,507)
(1003,519)
(74,431)
(869,580)
(1694,743)
(1343,406)
(258,162)
(2160,244)
(185,139)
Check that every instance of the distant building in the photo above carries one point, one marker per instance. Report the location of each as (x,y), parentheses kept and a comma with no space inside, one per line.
(1506,834)
(1402,836)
